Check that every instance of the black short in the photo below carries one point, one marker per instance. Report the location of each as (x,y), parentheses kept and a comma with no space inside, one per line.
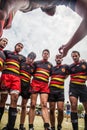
(25,90)
(78,91)
(56,94)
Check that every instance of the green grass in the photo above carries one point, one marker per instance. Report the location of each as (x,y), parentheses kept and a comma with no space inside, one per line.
(38,123)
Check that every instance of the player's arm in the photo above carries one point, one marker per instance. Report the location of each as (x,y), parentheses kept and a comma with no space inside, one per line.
(80,33)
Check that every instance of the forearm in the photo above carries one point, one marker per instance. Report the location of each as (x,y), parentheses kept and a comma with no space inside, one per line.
(15,5)
(78,35)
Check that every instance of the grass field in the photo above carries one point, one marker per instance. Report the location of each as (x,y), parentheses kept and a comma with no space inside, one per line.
(38,123)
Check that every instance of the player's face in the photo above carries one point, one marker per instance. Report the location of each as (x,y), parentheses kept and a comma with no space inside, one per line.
(75,57)
(58,60)
(29,60)
(18,48)
(45,55)
(3,43)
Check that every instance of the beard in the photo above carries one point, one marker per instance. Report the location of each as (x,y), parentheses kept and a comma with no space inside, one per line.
(1,47)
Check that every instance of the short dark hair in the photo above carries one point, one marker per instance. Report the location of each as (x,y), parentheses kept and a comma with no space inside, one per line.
(3,39)
(58,56)
(75,52)
(32,55)
(46,50)
(19,43)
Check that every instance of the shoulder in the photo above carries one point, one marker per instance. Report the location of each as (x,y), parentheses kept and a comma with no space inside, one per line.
(65,65)
(37,62)
(71,65)
(50,63)
(22,58)
(7,51)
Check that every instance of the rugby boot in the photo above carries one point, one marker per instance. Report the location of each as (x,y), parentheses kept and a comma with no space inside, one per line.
(22,128)
(49,128)
(5,128)
(59,128)
(31,128)
(52,128)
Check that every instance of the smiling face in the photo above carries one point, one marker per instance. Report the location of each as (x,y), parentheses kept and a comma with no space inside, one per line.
(75,56)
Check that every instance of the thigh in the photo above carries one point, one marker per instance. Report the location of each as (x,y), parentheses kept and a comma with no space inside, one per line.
(24,102)
(3,98)
(14,99)
(34,99)
(52,105)
(60,105)
(43,98)
(74,103)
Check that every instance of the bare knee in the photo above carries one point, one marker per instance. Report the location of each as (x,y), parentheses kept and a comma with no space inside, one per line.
(3,100)
(74,102)
(14,99)
(33,105)
(23,106)
(44,105)
(60,110)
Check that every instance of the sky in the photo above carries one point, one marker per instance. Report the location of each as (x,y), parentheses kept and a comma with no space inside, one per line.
(38,31)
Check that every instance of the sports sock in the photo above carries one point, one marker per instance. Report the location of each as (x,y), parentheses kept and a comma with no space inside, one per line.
(47,126)
(21,125)
(12,117)
(74,120)
(1,112)
(85,123)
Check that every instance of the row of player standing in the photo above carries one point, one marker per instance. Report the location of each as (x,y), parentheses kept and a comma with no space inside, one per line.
(77,89)
(10,78)
(10,82)
(9,8)
(42,71)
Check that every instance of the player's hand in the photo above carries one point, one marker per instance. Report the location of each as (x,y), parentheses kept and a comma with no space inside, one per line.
(63,50)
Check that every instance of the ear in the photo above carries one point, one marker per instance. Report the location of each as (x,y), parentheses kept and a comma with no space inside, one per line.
(50,11)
